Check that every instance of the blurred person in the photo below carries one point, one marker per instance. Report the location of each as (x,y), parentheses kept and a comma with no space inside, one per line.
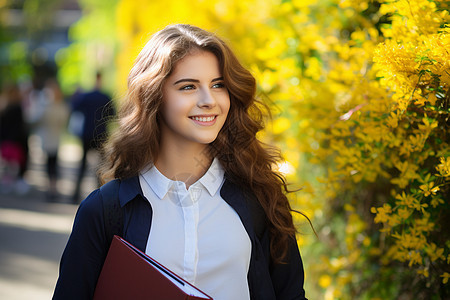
(90,112)
(50,127)
(196,189)
(13,142)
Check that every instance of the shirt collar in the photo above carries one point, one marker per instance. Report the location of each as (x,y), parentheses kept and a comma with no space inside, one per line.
(160,184)
(213,178)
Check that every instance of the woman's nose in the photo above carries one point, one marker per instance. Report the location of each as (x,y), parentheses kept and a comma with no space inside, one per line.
(206,99)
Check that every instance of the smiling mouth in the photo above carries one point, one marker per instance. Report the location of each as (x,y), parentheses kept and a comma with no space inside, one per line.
(204,119)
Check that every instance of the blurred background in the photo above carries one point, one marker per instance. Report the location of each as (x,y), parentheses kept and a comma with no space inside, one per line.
(359,93)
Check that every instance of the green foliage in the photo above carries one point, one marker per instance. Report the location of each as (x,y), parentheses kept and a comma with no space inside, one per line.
(14,64)
(93,48)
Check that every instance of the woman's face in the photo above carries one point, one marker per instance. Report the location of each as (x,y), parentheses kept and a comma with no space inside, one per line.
(195,100)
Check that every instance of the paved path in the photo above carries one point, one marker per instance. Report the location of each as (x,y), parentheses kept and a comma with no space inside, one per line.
(33,232)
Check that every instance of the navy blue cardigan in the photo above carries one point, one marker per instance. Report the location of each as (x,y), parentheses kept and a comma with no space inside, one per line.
(87,247)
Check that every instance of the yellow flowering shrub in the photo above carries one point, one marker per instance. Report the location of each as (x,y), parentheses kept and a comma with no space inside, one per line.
(384,135)
(414,66)
(365,86)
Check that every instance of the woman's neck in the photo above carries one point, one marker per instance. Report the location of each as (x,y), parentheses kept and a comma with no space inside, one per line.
(187,164)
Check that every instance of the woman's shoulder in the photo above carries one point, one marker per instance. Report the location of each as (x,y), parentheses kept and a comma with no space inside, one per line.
(92,205)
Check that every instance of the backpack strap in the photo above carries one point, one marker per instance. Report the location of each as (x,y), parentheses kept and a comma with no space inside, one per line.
(112,212)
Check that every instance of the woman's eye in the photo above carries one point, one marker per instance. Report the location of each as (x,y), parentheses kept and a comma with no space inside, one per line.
(187,87)
(218,85)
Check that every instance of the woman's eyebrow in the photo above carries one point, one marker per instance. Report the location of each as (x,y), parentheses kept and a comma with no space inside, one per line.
(195,80)
(186,80)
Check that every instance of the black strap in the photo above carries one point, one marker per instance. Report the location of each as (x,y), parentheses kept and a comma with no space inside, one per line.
(112,212)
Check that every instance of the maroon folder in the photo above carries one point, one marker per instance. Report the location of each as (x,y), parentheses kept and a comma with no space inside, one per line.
(129,273)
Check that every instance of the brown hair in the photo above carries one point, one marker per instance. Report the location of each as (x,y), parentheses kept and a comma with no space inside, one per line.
(247,162)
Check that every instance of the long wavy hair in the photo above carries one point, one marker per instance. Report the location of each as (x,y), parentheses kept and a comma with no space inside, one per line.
(246,160)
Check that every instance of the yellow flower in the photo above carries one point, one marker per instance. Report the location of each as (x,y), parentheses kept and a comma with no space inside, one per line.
(404,213)
(427,125)
(417,141)
(314,69)
(434,252)
(410,240)
(444,167)
(432,98)
(420,101)
(383,213)
(392,121)
(445,277)
(429,189)
(423,272)
(420,206)
(415,258)
(325,281)
(394,220)
(402,182)
(407,200)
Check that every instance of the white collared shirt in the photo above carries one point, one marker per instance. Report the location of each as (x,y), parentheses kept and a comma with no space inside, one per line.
(196,234)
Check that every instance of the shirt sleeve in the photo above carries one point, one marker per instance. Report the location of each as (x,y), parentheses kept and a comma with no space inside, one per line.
(288,278)
(85,252)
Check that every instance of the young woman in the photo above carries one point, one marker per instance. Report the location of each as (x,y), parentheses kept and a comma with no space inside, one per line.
(197,189)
